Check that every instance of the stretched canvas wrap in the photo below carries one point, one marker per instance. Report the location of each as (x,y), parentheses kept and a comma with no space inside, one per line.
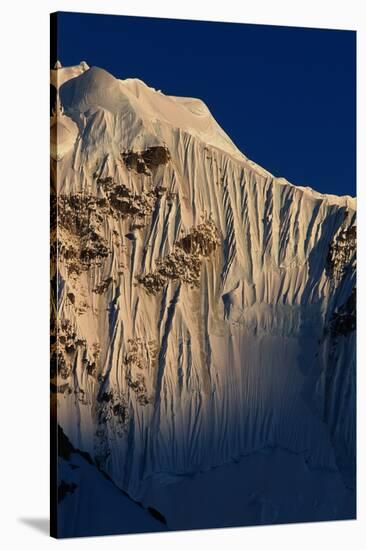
(203,308)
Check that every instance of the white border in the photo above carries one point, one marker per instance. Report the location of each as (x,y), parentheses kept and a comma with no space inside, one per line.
(24,189)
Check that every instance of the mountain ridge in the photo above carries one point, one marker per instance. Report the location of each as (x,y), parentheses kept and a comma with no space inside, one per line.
(205,306)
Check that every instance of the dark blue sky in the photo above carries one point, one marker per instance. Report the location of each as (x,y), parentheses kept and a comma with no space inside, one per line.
(285,96)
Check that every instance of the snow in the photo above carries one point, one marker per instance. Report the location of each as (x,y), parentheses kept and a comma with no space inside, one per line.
(63,134)
(60,74)
(92,505)
(251,491)
(240,363)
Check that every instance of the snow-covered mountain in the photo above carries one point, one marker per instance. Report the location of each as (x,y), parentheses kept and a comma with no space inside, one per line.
(205,309)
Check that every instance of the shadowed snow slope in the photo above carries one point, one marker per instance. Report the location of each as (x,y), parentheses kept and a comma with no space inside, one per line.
(205,309)
(89,504)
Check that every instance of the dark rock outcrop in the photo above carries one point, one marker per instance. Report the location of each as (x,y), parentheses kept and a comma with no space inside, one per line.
(145,162)
(184,263)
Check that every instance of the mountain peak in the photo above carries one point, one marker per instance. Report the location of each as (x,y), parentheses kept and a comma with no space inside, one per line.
(201,300)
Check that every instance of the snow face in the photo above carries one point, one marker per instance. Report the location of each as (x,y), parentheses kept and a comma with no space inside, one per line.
(63,134)
(89,504)
(204,307)
(60,74)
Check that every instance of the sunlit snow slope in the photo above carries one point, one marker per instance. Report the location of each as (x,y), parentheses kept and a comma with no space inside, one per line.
(205,308)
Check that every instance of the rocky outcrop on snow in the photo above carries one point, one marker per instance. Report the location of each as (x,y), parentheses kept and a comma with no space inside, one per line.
(342,251)
(81,218)
(80,238)
(184,263)
(205,309)
(143,162)
(63,351)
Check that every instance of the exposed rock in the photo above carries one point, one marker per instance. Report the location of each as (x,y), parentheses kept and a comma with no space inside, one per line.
(128,203)
(139,357)
(64,351)
(103,286)
(125,203)
(112,409)
(138,385)
(91,367)
(80,239)
(153,282)
(144,162)
(134,355)
(184,263)
(342,251)
(202,240)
